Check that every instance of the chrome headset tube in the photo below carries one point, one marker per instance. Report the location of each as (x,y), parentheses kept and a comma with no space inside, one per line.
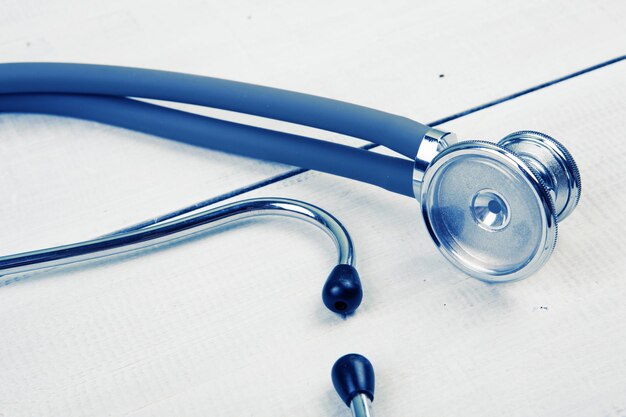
(192,224)
(491,209)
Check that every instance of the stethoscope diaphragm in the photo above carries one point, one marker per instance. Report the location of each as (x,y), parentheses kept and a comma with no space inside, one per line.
(492,209)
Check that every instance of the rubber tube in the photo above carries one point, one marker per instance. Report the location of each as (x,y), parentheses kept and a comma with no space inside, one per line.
(395,132)
(390,173)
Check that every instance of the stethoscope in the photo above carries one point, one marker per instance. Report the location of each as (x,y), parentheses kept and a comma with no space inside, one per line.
(491,209)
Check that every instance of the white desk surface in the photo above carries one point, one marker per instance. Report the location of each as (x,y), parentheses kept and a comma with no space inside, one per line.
(232,324)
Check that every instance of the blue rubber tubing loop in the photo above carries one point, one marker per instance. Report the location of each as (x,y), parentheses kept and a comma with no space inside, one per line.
(391,173)
(395,132)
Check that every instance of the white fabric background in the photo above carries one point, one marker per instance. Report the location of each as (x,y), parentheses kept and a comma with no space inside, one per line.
(232,324)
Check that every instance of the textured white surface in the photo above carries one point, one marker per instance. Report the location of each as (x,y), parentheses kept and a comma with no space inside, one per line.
(232,324)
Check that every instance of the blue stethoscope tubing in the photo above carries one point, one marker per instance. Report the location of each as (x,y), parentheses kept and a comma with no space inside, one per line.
(390,173)
(104,94)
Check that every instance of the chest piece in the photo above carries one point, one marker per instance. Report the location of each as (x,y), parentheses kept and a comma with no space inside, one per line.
(492,209)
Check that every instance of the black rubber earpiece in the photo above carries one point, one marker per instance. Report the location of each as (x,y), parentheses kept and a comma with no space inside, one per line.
(353,374)
(342,291)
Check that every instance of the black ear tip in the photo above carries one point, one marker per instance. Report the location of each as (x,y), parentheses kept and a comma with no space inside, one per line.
(353,374)
(342,291)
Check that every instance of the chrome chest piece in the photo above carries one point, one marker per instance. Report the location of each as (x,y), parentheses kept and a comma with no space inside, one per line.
(492,209)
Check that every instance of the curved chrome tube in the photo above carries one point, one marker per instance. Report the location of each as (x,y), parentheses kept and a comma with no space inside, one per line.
(180,228)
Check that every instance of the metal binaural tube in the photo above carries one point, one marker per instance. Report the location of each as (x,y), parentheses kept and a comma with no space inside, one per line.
(180,228)
(361,406)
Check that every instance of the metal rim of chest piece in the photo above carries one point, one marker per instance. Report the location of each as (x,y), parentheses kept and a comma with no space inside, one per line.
(493,209)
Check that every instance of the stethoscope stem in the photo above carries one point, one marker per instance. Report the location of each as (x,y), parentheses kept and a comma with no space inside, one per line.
(180,228)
